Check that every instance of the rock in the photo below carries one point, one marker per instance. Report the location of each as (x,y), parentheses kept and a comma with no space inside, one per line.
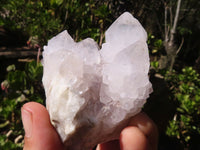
(91,94)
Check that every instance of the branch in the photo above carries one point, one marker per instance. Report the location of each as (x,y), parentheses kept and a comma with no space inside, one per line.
(23,52)
(141,10)
(166,32)
(180,46)
(173,30)
(171,16)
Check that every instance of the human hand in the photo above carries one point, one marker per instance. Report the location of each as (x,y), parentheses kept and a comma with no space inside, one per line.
(141,133)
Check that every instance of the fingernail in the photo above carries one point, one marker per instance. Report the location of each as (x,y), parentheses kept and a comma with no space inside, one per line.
(27,121)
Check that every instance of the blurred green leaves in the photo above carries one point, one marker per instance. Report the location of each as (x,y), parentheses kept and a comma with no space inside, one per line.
(185,87)
(155,44)
(22,86)
(44,19)
(36,17)
(56,2)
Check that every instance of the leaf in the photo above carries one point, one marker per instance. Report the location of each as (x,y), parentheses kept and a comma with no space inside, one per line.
(11,68)
(154,51)
(56,2)
(2,125)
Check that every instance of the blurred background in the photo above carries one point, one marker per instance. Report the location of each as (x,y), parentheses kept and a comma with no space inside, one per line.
(173,28)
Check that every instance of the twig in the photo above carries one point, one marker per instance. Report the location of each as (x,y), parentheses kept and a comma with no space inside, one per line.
(9,133)
(166,32)
(171,16)
(178,50)
(17,139)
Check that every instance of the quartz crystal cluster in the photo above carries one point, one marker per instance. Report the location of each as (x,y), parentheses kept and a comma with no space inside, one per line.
(92,93)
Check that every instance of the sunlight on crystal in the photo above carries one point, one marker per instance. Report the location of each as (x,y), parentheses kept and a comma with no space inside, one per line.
(91,93)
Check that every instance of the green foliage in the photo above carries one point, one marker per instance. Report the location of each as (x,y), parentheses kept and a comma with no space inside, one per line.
(8,145)
(186,90)
(155,45)
(36,17)
(56,2)
(184,31)
(19,87)
(154,64)
(84,18)
(43,18)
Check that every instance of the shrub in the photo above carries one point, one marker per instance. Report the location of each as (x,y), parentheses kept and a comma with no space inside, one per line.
(186,91)
(18,88)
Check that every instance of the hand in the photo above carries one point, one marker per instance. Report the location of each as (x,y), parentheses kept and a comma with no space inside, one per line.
(141,133)
(39,133)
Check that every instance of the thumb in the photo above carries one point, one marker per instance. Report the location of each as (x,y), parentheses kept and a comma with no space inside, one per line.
(39,133)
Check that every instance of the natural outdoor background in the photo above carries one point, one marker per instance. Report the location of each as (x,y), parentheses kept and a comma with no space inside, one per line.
(173,28)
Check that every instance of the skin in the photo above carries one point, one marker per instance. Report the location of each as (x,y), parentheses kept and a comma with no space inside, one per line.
(140,134)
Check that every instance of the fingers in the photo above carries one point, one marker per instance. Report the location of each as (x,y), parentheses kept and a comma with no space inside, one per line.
(141,134)
(147,127)
(132,138)
(39,133)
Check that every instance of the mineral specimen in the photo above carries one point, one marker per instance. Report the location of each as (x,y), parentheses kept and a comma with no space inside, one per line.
(92,93)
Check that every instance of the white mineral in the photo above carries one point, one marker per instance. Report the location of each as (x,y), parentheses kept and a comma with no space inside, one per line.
(92,93)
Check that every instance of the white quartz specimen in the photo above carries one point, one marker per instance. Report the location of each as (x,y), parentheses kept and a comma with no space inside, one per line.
(92,93)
